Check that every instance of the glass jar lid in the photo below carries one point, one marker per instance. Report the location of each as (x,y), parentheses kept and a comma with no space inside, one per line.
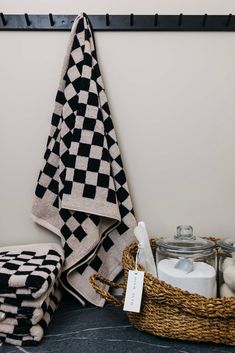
(185,242)
(227,244)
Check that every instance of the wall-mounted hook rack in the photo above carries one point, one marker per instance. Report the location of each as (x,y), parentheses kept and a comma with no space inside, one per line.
(155,19)
(180,19)
(51,19)
(131,22)
(107,20)
(204,19)
(4,22)
(27,20)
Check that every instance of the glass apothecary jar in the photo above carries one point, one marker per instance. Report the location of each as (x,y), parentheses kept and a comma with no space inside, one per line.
(226,267)
(187,262)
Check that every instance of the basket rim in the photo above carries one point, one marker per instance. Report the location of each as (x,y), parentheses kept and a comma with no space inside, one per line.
(160,291)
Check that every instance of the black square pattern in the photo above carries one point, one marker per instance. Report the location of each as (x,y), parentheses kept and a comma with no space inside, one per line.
(89,191)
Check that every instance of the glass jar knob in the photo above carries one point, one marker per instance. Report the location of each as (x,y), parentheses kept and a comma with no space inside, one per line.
(185,232)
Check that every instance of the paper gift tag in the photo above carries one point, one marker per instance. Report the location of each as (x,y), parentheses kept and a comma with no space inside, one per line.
(134,291)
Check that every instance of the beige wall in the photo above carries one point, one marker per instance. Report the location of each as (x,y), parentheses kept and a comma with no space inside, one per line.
(172,101)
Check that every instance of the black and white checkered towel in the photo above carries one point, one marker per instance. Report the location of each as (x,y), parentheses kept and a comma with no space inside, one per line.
(28,271)
(82,193)
(25,335)
(25,312)
(29,290)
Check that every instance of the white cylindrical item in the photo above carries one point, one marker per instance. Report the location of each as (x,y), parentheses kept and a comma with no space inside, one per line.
(146,258)
(225,291)
(202,280)
(227,262)
(229,277)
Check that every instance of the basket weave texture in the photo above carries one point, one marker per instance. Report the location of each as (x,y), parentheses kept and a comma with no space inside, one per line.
(170,312)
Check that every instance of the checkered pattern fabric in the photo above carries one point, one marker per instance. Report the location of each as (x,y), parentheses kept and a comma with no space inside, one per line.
(23,334)
(29,271)
(27,312)
(29,290)
(82,193)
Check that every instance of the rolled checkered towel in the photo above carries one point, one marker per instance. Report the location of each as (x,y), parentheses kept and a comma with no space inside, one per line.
(30,335)
(82,193)
(25,312)
(28,271)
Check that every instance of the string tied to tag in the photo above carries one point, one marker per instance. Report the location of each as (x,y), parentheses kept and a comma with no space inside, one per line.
(138,254)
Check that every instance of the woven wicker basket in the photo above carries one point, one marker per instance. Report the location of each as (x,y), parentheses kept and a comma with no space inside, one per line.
(170,312)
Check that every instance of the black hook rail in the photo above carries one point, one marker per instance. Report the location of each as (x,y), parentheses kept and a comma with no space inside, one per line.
(107,22)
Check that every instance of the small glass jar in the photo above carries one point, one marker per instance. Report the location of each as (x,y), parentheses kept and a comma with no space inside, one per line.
(187,262)
(226,267)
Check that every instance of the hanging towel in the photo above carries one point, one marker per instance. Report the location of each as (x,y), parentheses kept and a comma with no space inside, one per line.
(28,271)
(82,193)
(30,335)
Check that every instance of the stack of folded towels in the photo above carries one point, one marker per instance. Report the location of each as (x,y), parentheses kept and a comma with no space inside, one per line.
(29,291)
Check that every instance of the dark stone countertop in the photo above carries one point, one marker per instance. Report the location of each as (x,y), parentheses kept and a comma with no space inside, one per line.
(93,330)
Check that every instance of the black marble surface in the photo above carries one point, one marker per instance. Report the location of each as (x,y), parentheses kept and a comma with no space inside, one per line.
(93,330)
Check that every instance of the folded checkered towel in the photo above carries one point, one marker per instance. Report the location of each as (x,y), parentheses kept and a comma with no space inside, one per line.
(82,193)
(30,335)
(25,312)
(28,271)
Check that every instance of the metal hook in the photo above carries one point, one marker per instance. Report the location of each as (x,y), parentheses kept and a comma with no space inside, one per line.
(131,19)
(107,19)
(27,19)
(3,19)
(228,19)
(51,19)
(155,19)
(204,20)
(180,19)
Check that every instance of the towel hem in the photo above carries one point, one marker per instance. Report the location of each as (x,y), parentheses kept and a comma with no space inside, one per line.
(45,224)
(92,208)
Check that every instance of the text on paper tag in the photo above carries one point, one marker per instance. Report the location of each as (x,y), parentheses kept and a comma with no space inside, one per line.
(134,291)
